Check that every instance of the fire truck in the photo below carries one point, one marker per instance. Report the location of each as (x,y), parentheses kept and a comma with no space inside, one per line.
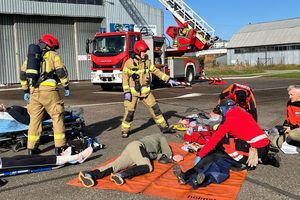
(110,50)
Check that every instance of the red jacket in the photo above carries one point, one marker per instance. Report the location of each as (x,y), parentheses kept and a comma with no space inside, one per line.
(239,124)
(293,114)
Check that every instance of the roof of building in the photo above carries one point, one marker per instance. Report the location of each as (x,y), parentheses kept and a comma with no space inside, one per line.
(269,33)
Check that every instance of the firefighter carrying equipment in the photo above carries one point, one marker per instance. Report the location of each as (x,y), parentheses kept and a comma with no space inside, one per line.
(35,59)
(45,97)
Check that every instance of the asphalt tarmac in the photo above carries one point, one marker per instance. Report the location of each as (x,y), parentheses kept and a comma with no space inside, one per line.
(103,115)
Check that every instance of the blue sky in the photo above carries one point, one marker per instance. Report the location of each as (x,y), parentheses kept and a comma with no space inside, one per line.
(229,16)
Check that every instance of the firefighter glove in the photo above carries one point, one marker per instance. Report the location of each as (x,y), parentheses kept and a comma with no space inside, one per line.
(197,160)
(127,96)
(26,97)
(172,83)
(67,93)
(253,157)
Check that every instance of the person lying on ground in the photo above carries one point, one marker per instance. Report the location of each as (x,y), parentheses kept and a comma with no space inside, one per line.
(29,161)
(134,160)
(245,144)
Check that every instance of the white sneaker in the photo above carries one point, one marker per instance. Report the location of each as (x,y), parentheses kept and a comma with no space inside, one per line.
(82,156)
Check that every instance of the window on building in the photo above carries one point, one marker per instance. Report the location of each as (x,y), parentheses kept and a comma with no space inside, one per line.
(81,1)
(90,2)
(71,1)
(62,1)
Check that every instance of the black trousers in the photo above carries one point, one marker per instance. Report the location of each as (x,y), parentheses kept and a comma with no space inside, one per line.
(27,161)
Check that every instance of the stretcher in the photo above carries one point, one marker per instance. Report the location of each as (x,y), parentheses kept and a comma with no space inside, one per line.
(13,134)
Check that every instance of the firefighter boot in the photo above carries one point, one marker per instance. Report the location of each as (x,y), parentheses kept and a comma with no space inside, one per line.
(119,178)
(125,134)
(34,151)
(59,150)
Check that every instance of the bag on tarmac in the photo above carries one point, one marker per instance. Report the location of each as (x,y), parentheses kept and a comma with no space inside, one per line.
(34,61)
(198,134)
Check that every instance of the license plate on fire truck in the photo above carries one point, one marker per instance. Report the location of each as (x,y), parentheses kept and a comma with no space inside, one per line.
(105,75)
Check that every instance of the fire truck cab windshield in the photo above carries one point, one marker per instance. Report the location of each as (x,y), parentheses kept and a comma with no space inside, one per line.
(109,45)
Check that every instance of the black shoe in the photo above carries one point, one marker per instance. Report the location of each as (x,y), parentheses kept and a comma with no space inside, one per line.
(117,178)
(86,179)
(199,179)
(34,151)
(165,160)
(272,159)
(168,130)
(179,174)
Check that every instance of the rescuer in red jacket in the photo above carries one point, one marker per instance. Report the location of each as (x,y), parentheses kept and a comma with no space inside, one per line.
(238,137)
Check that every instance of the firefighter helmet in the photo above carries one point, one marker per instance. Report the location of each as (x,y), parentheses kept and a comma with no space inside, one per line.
(140,46)
(50,40)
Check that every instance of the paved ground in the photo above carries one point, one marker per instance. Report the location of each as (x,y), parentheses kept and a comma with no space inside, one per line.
(103,114)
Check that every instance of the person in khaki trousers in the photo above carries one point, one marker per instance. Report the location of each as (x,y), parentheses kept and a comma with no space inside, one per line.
(136,86)
(44,96)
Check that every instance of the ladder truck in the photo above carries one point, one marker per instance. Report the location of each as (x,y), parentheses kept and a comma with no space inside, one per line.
(111,50)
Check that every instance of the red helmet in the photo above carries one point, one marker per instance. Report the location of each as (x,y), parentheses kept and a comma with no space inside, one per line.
(185,24)
(140,46)
(50,40)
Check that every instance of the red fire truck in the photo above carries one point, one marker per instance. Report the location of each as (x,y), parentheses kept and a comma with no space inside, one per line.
(111,50)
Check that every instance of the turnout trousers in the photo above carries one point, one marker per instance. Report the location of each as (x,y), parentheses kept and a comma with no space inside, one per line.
(153,108)
(51,102)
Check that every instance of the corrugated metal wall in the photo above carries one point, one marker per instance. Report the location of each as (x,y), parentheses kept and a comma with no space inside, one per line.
(271,57)
(86,28)
(30,29)
(8,68)
(24,7)
(21,19)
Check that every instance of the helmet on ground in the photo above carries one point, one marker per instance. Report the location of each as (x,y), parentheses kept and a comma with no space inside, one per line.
(50,40)
(225,105)
(140,46)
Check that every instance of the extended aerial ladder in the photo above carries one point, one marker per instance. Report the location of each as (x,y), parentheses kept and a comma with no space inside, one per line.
(204,33)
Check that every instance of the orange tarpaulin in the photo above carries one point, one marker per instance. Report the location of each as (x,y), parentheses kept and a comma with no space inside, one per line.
(162,183)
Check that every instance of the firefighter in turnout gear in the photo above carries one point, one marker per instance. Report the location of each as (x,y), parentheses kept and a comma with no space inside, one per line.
(136,86)
(39,76)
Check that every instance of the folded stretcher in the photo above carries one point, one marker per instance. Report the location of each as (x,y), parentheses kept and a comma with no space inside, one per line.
(13,133)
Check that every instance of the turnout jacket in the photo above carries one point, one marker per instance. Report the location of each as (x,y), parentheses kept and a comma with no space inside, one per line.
(238,124)
(156,145)
(134,68)
(52,64)
(293,115)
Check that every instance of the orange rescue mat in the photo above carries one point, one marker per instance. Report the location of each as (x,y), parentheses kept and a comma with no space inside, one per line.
(162,183)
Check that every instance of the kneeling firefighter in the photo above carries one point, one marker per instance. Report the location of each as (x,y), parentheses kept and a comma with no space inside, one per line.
(40,74)
(136,86)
